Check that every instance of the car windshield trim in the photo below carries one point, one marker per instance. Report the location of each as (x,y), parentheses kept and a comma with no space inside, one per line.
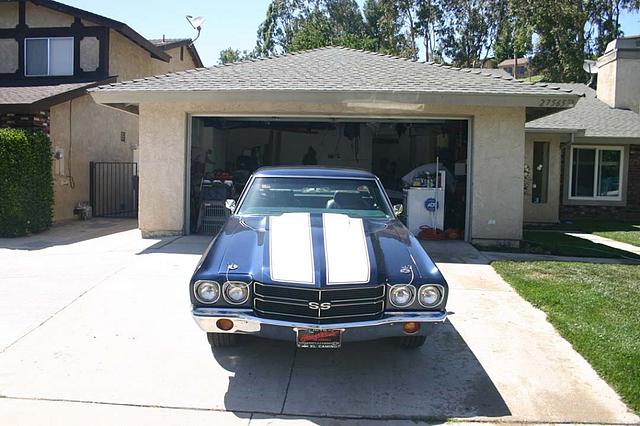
(372,192)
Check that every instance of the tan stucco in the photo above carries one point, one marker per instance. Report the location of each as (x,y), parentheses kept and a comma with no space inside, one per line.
(160,67)
(9,54)
(544,212)
(607,82)
(128,60)
(89,53)
(619,79)
(95,131)
(41,16)
(497,157)
(8,15)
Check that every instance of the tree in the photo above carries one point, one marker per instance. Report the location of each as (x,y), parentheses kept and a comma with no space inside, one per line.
(429,15)
(514,35)
(470,30)
(230,55)
(385,23)
(605,15)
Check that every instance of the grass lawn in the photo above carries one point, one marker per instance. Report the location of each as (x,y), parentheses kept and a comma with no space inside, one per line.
(595,307)
(558,243)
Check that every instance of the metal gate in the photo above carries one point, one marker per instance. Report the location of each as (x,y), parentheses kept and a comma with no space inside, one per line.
(114,189)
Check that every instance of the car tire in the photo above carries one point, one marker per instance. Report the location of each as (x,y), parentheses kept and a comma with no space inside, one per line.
(411,342)
(222,340)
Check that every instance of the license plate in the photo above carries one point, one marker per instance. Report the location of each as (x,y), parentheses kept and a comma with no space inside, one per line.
(318,339)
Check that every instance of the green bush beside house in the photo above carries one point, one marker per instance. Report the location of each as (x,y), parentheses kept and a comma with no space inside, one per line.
(26,183)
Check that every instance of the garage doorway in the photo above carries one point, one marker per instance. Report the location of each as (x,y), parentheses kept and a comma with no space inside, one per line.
(404,154)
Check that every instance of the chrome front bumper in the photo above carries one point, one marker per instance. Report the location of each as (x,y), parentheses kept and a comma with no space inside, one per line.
(245,322)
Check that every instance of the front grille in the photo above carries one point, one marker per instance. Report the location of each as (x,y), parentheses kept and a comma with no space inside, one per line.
(327,305)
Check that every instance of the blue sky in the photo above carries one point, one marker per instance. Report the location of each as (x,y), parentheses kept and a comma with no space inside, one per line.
(228,22)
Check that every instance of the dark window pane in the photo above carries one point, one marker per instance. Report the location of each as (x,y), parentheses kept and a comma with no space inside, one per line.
(582,178)
(609,173)
(37,57)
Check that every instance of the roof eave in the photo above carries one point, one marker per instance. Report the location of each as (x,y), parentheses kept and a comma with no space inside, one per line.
(129,96)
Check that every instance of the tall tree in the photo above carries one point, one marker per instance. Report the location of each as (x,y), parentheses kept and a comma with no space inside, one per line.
(514,36)
(560,27)
(605,15)
(429,16)
(470,30)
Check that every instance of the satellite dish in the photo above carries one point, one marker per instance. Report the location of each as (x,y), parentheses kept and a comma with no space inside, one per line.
(590,66)
(196,22)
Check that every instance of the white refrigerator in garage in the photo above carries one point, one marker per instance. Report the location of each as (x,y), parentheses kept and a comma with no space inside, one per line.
(425,206)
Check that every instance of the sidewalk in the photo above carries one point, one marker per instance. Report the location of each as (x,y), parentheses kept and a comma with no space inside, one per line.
(607,242)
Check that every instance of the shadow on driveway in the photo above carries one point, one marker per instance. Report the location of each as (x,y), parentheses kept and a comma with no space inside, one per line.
(368,380)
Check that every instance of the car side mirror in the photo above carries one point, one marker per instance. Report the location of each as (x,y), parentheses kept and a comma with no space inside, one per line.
(230,204)
(398,209)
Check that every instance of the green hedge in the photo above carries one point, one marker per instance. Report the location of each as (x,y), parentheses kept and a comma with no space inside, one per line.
(26,183)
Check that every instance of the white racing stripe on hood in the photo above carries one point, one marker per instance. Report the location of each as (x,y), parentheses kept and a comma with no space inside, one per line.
(291,248)
(345,250)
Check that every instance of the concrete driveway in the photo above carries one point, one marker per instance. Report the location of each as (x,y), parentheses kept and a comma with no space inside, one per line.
(95,327)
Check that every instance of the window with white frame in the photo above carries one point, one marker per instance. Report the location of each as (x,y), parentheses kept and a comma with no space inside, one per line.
(596,172)
(48,56)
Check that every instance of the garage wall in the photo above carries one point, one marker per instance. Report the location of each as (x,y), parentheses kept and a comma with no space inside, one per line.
(497,156)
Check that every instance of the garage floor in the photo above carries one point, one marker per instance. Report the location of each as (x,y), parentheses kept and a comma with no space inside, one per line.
(99,329)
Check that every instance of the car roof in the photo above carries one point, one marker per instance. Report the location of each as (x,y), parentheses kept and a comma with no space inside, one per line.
(313,171)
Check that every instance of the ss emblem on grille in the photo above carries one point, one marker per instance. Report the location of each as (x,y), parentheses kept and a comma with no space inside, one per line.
(322,306)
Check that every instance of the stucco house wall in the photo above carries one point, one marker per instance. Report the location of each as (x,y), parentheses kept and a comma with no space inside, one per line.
(86,131)
(497,143)
(96,129)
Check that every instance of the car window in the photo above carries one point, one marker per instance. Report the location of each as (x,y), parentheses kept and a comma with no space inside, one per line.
(276,195)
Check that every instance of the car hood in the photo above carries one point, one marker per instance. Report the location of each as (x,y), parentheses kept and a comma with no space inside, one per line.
(317,250)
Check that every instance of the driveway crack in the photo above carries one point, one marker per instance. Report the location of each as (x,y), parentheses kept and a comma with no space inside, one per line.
(286,392)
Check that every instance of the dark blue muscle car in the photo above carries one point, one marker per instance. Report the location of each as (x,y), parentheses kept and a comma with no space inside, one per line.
(317,256)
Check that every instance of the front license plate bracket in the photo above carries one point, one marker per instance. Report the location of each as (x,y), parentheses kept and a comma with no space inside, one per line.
(318,339)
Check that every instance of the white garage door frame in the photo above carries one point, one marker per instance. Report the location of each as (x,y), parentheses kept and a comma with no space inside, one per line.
(338,118)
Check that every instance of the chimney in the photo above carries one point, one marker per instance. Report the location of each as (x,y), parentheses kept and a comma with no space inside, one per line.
(619,74)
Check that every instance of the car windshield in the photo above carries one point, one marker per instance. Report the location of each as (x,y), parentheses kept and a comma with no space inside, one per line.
(276,195)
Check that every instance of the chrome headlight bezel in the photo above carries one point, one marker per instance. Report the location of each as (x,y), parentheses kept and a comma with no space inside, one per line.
(397,287)
(201,283)
(229,284)
(439,288)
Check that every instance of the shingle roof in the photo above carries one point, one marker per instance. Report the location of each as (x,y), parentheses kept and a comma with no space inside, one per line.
(31,94)
(591,115)
(334,69)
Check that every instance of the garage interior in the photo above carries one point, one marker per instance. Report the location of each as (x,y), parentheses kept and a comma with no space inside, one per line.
(403,154)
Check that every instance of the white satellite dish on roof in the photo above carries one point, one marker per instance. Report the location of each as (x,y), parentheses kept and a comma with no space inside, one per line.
(196,24)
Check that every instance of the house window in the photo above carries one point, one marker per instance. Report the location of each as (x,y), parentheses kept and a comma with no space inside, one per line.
(596,173)
(48,56)
(540,175)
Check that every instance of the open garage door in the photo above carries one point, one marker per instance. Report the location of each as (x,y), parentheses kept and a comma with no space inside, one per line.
(422,164)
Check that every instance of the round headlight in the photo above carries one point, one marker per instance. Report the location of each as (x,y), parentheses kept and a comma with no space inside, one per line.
(429,295)
(402,295)
(207,291)
(236,292)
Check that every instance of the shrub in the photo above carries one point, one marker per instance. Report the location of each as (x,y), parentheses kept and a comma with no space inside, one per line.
(26,183)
